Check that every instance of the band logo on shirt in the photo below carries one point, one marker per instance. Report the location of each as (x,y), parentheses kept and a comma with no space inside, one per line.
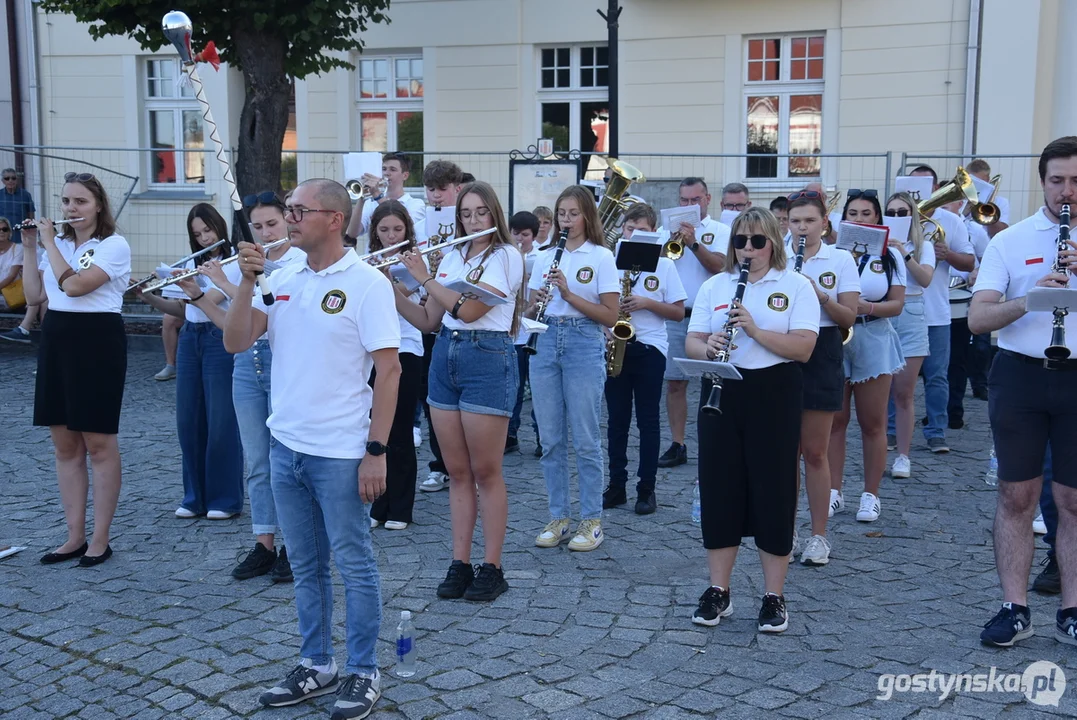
(877,267)
(474,275)
(585,275)
(778,301)
(650,283)
(86,260)
(828,280)
(333,302)
(707,239)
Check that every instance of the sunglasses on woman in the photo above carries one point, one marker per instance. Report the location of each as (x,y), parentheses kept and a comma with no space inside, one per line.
(810,194)
(78,177)
(267,198)
(741,241)
(903,212)
(856,193)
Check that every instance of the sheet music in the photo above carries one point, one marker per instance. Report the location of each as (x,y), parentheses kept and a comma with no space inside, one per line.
(474,292)
(357,164)
(529,326)
(984,189)
(642,236)
(707,368)
(918,186)
(856,238)
(728,216)
(400,273)
(439,222)
(899,228)
(673,217)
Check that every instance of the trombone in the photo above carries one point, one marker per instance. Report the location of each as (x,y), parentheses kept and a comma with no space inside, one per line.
(191,273)
(178,263)
(451,243)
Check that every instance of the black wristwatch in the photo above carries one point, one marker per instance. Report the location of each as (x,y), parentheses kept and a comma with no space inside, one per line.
(375,448)
(694,247)
(908,257)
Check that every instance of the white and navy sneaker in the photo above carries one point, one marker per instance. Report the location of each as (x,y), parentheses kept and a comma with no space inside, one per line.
(869,508)
(356,697)
(301,683)
(1012,623)
(1066,625)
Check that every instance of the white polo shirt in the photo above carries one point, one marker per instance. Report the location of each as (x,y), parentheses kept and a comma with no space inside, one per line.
(937,294)
(234,273)
(415,206)
(191,313)
(323,326)
(1003,209)
(780,301)
(712,235)
(411,339)
(503,269)
(590,271)
(664,286)
(834,272)
(1015,260)
(873,287)
(113,255)
(927,257)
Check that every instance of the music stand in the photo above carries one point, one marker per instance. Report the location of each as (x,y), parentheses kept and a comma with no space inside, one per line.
(638,256)
(1041,299)
(708,369)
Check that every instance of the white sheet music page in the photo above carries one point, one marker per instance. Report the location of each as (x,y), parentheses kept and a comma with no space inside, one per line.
(673,217)
(859,239)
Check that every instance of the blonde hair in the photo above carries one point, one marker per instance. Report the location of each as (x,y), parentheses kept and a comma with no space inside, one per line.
(763,220)
(916,232)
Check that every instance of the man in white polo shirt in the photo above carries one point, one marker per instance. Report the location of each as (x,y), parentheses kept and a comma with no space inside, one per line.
(704,255)
(328,327)
(1033,400)
(395,169)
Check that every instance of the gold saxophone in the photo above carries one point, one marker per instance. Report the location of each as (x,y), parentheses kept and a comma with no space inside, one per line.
(622,331)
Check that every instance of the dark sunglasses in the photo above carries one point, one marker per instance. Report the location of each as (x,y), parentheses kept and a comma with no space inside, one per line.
(266,198)
(741,241)
(78,177)
(897,213)
(9,177)
(5,229)
(855,193)
(810,194)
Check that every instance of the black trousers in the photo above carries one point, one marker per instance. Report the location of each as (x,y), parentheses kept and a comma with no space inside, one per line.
(437,464)
(748,460)
(970,356)
(640,381)
(401,465)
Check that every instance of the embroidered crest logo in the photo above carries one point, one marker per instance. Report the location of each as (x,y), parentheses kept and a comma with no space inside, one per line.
(650,283)
(585,275)
(86,260)
(877,267)
(474,275)
(707,239)
(333,302)
(778,301)
(828,280)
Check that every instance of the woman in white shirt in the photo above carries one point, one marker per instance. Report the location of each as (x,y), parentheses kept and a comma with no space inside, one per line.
(748,452)
(10,267)
(205,414)
(82,362)
(568,372)
(472,382)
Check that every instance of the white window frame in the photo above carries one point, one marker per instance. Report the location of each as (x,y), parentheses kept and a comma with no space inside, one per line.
(183,101)
(574,95)
(390,105)
(783,87)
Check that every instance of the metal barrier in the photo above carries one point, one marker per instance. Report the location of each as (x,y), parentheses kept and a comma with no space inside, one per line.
(1020,183)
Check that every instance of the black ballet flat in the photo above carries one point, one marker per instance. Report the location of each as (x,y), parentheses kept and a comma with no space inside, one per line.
(53,558)
(91,560)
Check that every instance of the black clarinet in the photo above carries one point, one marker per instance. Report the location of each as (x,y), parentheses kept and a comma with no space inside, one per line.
(798,262)
(1057,350)
(532,341)
(713,406)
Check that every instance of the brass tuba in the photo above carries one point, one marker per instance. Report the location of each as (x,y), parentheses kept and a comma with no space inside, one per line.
(960,188)
(612,207)
(831,205)
(622,331)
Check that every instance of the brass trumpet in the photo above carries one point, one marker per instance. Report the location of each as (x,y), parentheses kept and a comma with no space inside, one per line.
(358,190)
(674,248)
(960,188)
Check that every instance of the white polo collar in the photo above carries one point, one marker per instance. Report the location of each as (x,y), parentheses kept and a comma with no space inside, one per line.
(349,259)
(1040,221)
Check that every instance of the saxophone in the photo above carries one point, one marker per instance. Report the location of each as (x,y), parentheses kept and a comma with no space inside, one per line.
(622,331)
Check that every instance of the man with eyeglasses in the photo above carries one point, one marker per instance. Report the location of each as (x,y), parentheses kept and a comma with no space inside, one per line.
(734,201)
(16,204)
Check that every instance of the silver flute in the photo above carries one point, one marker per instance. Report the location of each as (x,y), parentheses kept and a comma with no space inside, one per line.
(27,224)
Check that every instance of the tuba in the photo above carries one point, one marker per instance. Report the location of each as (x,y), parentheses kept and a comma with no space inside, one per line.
(622,331)
(831,205)
(960,188)
(612,207)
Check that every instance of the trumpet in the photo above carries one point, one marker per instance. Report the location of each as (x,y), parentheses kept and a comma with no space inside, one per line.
(674,248)
(178,263)
(452,243)
(27,224)
(358,190)
(191,273)
(1058,350)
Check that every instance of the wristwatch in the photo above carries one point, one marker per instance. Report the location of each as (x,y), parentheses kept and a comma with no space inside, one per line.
(375,448)
(694,247)
(908,257)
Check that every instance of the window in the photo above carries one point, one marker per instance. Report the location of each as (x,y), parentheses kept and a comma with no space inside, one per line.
(783,101)
(390,104)
(573,105)
(173,123)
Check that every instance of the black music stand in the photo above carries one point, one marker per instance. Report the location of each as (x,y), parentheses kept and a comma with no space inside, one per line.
(638,256)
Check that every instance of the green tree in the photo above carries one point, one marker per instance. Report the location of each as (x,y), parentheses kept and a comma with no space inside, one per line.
(270,41)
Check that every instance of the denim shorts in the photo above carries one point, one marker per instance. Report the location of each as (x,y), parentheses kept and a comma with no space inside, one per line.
(874,350)
(676,333)
(473,371)
(911,326)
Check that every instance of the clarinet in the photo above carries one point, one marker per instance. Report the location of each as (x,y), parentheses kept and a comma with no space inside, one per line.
(798,263)
(713,406)
(532,342)
(1057,350)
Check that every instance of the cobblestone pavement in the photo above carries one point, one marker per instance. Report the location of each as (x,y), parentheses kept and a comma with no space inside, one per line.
(162,630)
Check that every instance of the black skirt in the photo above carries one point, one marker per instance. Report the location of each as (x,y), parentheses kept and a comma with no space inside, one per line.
(824,373)
(81,369)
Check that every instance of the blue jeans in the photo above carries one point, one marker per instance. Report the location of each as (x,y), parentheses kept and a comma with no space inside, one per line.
(206,422)
(936,385)
(567,379)
(320,511)
(522,361)
(250,394)
(1047,503)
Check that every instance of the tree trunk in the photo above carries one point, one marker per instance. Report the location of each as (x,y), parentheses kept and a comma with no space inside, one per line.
(265,110)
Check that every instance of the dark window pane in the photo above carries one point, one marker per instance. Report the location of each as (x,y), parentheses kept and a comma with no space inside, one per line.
(562,57)
(603,56)
(587,56)
(547,57)
(563,78)
(555,124)
(773,48)
(762,136)
(547,79)
(587,78)
(594,124)
(602,77)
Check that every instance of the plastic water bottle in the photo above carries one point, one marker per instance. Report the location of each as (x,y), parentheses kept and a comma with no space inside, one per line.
(695,504)
(991,477)
(405,646)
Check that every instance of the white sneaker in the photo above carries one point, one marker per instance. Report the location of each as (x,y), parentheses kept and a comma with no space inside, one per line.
(374,523)
(901,468)
(553,534)
(817,551)
(395,525)
(1039,526)
(417,436)
(168,372)
(796,545)
(869,508)
(220,515)
(434,481)
(837,502)
(588,536)
(182,512)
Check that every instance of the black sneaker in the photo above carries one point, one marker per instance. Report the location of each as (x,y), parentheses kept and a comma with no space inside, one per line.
(1066,625)
(1012,623)
(259,561)
(772,615)
(980,394)
(955,423)
(714,604)
(301,683)
(489,582)
(613,496)
(282,569)
(456,581)
(646,504)
(511,445)
(356,697)
(1048,582)
(676,455)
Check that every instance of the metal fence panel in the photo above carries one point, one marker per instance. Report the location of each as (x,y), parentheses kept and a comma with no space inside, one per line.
(1020,182)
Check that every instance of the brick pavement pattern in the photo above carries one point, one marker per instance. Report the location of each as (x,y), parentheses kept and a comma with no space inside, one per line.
(162,629)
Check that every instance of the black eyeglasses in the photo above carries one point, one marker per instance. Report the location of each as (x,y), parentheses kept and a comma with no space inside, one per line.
(810,194)
(79,177)
(296,213)
(741,241)
(897,213)
(267,198)
(739,207)
(855,193)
